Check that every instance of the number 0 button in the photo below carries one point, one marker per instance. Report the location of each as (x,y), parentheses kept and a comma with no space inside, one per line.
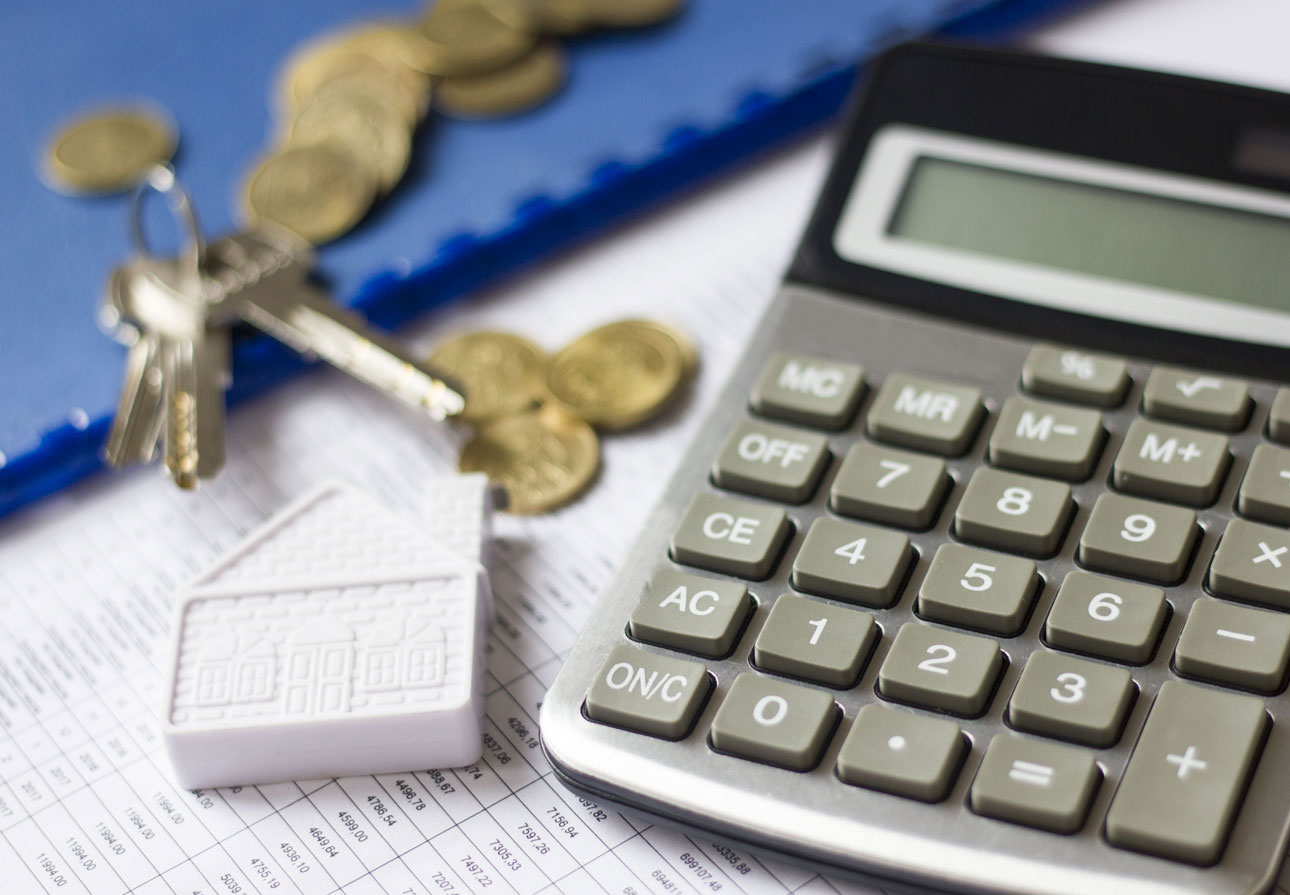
(773,722)
(937,669)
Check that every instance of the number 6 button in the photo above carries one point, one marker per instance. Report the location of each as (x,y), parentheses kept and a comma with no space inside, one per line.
(1108,618)
(938,669)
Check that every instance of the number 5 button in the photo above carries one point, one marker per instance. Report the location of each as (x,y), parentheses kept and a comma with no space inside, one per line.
(938,669)
(1071,699)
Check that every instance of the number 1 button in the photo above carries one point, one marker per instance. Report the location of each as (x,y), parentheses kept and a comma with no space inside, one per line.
(937,669)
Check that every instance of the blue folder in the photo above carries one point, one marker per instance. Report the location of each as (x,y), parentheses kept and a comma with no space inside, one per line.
(645,114)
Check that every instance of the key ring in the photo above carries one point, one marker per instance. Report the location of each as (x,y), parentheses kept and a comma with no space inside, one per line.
(162,180)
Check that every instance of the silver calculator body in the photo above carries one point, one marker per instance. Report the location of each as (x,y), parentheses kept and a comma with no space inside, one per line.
(977,576)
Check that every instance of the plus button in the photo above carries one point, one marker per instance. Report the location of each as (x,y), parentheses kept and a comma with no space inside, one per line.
(1186,762)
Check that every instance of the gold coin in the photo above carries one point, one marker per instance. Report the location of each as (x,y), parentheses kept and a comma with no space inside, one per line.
(542,458)
(563,17)
(109,151)
(635,13)
(317,191)
(507,91)
(333,64)
(469,38)
(401,43)
(501,373)
(372,131)
(618,375)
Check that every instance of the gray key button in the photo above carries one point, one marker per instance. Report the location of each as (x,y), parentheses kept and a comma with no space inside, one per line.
(939,669)
(1072,374)
(1014,512)
(648,693)
(1184,781)
(1196,398)
(1071,699)
(809,390)
(737,537)
(1108,618)
(814,640)
(1034,783)
(1265,490)
(1047,439)
(1139,538)
(774,722)
(979,589)
(852,562)
(925,415)
(902,753)
(686,612)
(1252,563)
(1171,463)
(1234,645)
(1279,417)
(895,487)
(771,461)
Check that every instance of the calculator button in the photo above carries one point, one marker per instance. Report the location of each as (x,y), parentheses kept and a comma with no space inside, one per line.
(648,693)
(808,390)
(737,537)
(1071,699)
(858,563)
(1265,490)
(925,415)
(902,753)
(1138,538)
(1047,439)
(1234,645)
(774,722)
(1070,374)
(891,486)
(1186,776)
(1014,512)
(814,640)
(1035,783)
(1200,399)
(1108,618)
(1279,417)
(1171,463)
(978,589)
(771,461)
(1252,563)
(686,612)
(939,669)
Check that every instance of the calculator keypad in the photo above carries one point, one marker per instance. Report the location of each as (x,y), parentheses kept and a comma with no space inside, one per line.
(815,640)
(895,487)
(940,669)
(773,721)
(857,563)
(1104,617)
(1014,512)
(1035,783)
(902,753)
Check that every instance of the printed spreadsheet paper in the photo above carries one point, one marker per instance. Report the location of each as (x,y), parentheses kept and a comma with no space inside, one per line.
(86,585)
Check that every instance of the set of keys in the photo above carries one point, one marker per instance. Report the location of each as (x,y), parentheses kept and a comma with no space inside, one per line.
(174,314)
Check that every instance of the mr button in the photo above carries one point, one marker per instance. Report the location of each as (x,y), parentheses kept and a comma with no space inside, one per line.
(737,537)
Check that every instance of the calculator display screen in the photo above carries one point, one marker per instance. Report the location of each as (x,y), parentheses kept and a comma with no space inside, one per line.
(1190,247)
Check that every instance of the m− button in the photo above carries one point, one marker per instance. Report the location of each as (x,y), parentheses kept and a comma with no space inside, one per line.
(1047,439)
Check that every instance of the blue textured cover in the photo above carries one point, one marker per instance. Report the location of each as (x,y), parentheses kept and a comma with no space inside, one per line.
(644,115)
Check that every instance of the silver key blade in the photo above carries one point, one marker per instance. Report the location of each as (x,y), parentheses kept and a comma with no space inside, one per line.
(133,437)
(179,437)
(211,360)
(306,319)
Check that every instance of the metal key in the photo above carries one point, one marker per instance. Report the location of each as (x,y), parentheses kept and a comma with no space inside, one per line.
(261,277)
(137,423)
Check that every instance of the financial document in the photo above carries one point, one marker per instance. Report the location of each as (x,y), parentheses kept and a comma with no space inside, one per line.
(87,803)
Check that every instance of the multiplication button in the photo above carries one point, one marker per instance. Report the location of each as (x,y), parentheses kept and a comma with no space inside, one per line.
(1071,374)
(902,753)
(774,722)
(737,537)
(1034,783)
(775,462)
(1234,645)
(1252,563)
(925,415)
(648,693)
(1265,490)
(809,390)
(1184,781)
(1200,399)
(1171,463)
(686,612)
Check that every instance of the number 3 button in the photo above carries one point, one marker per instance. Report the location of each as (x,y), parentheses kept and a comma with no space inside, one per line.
(938,669)
(1072,699)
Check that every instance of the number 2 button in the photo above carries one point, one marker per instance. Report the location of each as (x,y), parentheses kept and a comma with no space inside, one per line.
(938,669)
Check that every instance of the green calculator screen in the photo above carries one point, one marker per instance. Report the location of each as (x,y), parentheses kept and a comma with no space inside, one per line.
(1189,247)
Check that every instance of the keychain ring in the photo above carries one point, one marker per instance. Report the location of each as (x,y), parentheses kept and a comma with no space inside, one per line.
(162,180)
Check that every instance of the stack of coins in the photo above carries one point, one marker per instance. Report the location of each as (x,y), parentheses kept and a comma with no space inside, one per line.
(537,417)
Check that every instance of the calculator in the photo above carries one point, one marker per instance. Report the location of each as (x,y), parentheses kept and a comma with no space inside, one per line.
(977,577)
